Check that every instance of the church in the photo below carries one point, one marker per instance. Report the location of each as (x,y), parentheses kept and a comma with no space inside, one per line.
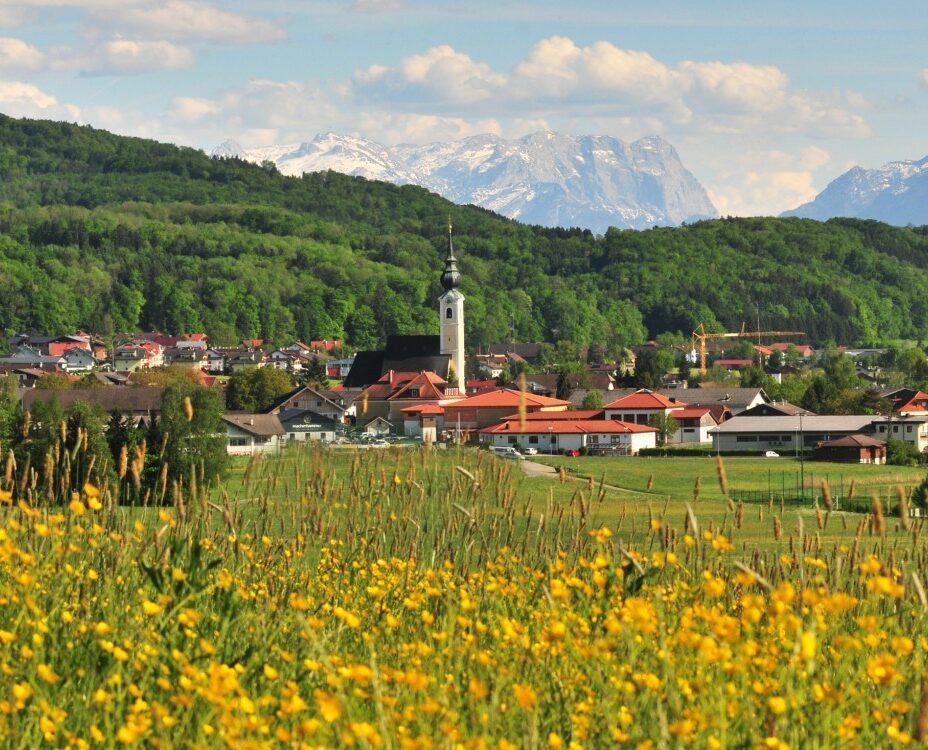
(442,354)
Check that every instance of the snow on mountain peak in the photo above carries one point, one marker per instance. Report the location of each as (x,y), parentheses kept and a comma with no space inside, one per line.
(543,178)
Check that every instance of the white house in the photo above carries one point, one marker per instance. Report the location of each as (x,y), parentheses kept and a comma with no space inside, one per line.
(640,406)
(248,434)
(559,435)
(785,433)
(301,425)
(695,423)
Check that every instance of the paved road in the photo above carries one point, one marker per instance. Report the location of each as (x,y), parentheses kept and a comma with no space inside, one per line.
(533,469)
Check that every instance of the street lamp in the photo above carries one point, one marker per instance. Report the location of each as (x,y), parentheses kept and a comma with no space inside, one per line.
(550,440)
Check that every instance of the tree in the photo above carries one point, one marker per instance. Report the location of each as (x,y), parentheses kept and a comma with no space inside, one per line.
(665,425)
(194,437)
(901,453)
(564,388)
(592,400)
(316,374)
(255,389)
(649,369)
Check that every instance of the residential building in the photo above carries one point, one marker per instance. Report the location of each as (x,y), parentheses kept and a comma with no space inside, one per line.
(78,359)
(856,449)
(248,434)
(486,409)
(328,405)
(639,407)
(601,436)
(785,433)
(910,428)
(138,403)
(301,425)
(695,423)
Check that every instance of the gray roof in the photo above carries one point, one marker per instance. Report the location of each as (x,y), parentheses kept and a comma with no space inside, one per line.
(128,400)
(735,399)
(262,425)
(817,423)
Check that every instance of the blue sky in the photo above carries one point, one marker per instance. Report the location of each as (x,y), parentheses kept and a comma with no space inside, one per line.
(766,102)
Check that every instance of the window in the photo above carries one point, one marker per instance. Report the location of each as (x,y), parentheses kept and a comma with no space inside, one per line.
(628,418)
(512,440)
(882,428)
(616,439)
(533,439)
(908,428)
(895,428)
(786,438)
(448,313)
(238,442)
(413,393)
(746,439)
(689,429)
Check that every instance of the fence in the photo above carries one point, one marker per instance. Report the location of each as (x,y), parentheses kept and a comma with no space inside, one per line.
(859,502)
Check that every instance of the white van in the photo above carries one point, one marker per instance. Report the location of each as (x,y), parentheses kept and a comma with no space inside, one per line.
(507,451)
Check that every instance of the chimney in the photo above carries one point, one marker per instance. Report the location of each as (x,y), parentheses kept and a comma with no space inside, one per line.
(251,422)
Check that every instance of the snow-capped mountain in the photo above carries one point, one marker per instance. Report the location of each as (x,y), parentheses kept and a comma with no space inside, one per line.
(544,178)
(896,193)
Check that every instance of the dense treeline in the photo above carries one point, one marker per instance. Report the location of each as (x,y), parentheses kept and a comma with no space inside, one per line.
(115,234)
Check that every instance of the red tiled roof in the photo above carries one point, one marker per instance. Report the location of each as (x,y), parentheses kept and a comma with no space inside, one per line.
(693,412)
(645,399)
(850,441)
(804,349)
(565,426)
(506,397)
(424,409)
(426,382)
(916,403)
(575,415)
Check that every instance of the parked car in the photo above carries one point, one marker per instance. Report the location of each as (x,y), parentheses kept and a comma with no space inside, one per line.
(572,452)
(771,454)
(530,451)
(507,452)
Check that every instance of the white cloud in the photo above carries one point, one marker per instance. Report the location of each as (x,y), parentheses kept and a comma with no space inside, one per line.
(190,20)
(20,99)
(767,182)
(191,109)
(922,78)
(392,129)
(16,54)
(439,74)
(377,6)
(603,80)
(131,57)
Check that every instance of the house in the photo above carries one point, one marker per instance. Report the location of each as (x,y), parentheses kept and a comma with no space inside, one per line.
(475,386)
(396,390)
(78,359)
(25,376)
(215,360)
(140,404)
(695,423)
(776,409)
(486,409)
(906,401)
(193,358)
(910,428)
(283,359)
(324,345)
(602,436)
(426,421)
(378,426)
(639,407)
(248,434)
(402,354)
(526,352)
(305,398)
(138,355)
(237,360)
(736,399)
(856,449)
(732,364)
(785,433)
(25,356)
(805,351)
(338,368)
(301,425)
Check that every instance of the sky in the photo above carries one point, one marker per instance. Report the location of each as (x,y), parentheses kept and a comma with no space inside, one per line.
(766,101)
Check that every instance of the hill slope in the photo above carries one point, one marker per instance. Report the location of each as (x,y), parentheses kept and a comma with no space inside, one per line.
(896,193)
(545,178)
(114,233)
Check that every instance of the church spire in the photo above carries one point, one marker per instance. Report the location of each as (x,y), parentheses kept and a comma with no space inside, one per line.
(451,277)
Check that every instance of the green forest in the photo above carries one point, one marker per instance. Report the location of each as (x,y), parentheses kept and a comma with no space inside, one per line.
(115,234)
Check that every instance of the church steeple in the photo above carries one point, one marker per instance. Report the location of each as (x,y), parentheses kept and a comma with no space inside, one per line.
(451,310)
(451,277)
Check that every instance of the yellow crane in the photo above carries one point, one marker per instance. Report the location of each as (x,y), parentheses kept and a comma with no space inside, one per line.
(701,336)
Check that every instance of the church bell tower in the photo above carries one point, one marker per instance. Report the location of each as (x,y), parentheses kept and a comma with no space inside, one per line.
(451,312)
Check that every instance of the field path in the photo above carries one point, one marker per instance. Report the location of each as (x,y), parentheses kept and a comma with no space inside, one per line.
(535,469)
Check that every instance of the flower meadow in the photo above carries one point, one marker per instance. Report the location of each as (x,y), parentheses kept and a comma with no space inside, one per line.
(423,599)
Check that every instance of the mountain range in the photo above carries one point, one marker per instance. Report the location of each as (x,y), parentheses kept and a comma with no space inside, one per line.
(545,178)
(896,193)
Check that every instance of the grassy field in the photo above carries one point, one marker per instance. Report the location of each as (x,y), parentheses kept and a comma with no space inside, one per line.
(432,599)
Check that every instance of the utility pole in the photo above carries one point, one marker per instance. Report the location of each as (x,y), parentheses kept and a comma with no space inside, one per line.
(802,459)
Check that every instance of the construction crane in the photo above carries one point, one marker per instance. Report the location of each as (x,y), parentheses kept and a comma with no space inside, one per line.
(701,336)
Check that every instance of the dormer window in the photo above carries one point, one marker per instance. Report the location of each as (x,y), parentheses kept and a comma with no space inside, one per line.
(448,313)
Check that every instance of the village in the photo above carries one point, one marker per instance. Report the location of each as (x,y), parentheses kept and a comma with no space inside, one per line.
(417,391)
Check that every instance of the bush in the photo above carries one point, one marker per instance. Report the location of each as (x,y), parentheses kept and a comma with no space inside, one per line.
(901,453)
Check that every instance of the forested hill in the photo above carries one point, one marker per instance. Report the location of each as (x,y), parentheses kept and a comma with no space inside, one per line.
(116,234)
